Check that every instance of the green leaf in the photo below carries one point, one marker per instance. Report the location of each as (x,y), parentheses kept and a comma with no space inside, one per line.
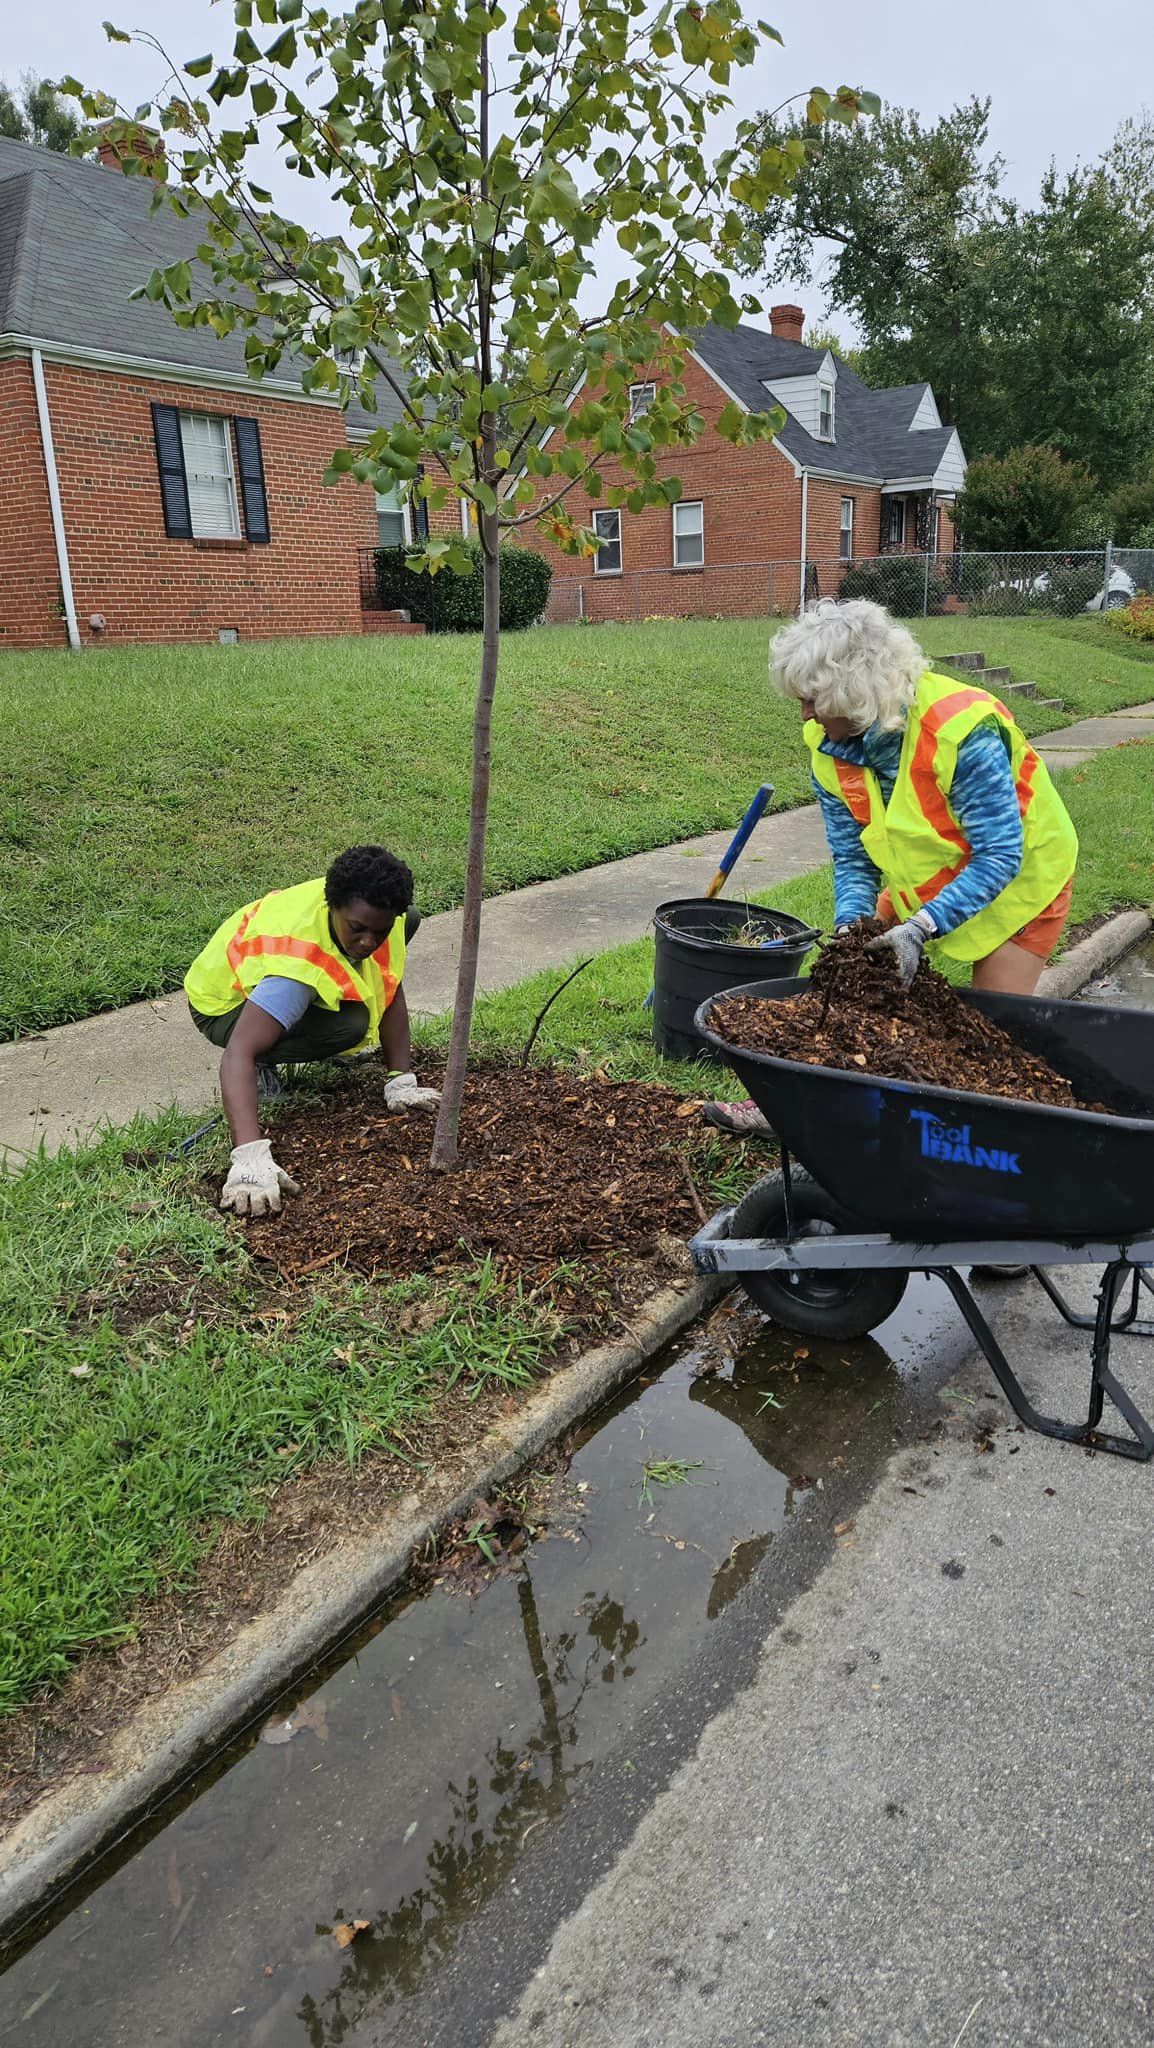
(342,459)
(245,50)
(484,221)
(263,97)
(199,67)
(114,34)
(283,50)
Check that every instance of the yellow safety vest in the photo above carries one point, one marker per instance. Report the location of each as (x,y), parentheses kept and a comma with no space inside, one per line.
(287,932)
(918,843)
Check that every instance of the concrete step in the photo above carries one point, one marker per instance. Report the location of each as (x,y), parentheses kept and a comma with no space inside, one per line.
(1019,689)
(964,660)
(1049,703)
(997,675)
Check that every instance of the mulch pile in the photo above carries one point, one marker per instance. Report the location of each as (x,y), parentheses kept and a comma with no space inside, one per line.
(855,1014)
(552,1165)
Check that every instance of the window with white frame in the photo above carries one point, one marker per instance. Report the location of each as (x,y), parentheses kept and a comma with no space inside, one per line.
(894,529)
(688,535)
(641,397)
(825,412)
(392,519)
(207,445)
(607,527)
(845,537)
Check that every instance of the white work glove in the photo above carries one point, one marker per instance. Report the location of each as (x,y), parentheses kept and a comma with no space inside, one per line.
(907,941)
(402,1091)
(255,1181)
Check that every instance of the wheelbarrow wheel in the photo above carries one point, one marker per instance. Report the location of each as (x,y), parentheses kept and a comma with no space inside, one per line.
(837,1304)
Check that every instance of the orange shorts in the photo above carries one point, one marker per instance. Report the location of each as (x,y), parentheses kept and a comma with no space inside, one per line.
(1039,937)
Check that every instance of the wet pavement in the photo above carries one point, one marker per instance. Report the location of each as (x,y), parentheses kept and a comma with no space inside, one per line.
(1129,984)
(443,1794)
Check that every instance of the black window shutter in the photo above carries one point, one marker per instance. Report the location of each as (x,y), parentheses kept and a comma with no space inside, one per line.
(170,462)
(250,467)
(420,509)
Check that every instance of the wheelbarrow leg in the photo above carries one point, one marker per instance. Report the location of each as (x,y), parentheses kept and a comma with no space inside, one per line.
(1102,1381)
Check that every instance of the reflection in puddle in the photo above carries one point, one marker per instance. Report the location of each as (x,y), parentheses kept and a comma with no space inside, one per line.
(418,1770)
(1129,985)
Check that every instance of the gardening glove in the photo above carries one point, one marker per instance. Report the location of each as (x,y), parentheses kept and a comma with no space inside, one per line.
(907,941)
(402,1091)
(255,1181)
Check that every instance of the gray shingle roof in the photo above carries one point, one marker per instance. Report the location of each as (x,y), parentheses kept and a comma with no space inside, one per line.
(75,242)
(873,438)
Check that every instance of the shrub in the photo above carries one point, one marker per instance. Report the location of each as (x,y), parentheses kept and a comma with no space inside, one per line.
(1069,590)
(1132,508)
(449,603)
(1137,620)
(1030,498)
(898,582)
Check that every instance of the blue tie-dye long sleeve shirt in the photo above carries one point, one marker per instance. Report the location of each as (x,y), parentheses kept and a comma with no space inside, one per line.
(982,797)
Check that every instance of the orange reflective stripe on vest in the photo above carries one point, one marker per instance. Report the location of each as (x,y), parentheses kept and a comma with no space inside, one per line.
(854,789)
(923,771)
(294,949)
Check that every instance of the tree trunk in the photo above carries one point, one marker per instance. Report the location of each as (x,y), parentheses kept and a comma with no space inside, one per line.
(444,1153)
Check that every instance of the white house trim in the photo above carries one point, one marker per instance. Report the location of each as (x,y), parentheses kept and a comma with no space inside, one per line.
(160,372)
(927,414)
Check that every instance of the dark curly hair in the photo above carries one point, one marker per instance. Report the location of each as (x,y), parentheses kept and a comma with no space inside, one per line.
(374,875)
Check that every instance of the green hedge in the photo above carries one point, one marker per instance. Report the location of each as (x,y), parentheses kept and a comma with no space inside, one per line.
(451,603)
(898,582)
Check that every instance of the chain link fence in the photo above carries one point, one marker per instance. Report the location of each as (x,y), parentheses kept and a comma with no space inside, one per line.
(1010,585)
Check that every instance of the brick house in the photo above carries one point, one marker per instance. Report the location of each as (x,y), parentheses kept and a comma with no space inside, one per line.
(153,492)
(854,473)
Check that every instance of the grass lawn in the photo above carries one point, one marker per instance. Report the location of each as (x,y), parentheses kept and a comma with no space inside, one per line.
(146,792)
(122,1447)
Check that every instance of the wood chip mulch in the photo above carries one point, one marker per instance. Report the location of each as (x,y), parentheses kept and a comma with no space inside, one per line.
(553,1165)
(855,1015)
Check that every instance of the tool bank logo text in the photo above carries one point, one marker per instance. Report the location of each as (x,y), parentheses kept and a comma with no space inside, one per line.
(951,1142)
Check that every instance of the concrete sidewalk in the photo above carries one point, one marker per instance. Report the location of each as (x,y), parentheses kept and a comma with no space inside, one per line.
(63,1084)
(932,1813)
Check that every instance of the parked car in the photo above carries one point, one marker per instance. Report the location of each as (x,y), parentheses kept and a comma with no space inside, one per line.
(1113,598)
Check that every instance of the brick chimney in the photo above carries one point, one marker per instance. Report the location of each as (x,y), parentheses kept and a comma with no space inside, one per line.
(119,143)
(787,322)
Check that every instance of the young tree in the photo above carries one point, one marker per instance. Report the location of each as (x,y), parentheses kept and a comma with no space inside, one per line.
(480,165)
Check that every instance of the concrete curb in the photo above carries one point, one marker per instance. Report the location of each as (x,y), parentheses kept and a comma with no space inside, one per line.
(1091,955)
(169,1738)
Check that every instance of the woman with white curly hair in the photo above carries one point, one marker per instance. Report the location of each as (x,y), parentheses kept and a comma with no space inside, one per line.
(941,817)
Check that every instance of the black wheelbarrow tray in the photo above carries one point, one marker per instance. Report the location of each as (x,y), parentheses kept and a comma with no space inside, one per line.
(900,1177)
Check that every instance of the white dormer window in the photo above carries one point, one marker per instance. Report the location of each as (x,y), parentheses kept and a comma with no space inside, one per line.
(640,399)
(825,412)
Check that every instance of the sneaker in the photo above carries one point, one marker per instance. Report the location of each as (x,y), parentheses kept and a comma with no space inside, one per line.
(268,1082)
(998,1272)
(744,1119)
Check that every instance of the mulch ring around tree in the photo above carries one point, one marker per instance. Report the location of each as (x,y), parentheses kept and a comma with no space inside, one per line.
(856,1015)
(553,1166)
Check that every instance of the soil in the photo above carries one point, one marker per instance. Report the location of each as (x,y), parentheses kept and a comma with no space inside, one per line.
(553,1166)
(856,1015)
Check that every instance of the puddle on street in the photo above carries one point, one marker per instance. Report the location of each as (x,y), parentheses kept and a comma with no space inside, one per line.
(1129,985)
(422,1765)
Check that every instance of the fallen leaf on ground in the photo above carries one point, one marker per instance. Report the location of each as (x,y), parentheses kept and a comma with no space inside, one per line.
(80,1372)
(843,1528)
(346,1932)
(309,1714)
(690,1107)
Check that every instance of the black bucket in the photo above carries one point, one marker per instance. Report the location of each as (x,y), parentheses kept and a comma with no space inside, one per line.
(695,961)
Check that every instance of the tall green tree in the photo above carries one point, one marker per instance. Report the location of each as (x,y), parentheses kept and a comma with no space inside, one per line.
(36,113)
(903,204)
(477,161)
(1032,323)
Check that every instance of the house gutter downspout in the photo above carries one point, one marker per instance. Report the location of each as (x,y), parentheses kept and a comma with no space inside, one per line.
(804,537)
(48,445)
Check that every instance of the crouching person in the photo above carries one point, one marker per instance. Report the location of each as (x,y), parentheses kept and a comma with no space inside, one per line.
(312,972)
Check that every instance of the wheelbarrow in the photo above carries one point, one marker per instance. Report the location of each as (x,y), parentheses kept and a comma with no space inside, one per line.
(882,1178)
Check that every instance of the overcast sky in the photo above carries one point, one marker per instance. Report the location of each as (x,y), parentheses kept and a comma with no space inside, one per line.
(1061,76)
